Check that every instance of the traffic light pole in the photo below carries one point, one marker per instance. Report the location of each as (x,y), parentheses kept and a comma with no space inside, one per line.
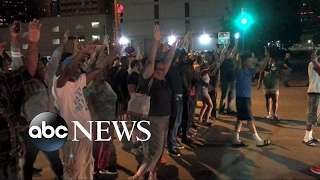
(116,25)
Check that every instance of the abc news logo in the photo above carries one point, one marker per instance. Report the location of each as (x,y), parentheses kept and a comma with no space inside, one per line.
(49,131)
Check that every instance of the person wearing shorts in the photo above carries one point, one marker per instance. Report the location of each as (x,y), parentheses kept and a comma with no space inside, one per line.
(244,73)
(313,99)
(270,78)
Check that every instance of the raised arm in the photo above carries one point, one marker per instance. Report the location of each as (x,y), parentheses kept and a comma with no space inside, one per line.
(33,37)
(265,62)
(55,59)
(15,50)
(149,66)
(234,50)
(168,61)
(224,50)
(73,66)
(238,62)
(102,62)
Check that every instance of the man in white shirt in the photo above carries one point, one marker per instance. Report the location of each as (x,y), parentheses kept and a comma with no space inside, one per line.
(313,98)
(68,88)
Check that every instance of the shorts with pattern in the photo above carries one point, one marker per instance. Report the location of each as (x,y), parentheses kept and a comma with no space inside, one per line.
(312,112)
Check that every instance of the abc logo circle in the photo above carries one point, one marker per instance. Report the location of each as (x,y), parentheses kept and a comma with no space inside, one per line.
(48,131)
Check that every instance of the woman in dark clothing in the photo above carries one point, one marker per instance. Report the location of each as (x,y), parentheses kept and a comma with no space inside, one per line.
(160,107)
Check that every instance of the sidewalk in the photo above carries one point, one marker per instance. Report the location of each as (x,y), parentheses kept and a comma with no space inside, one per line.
(212,157)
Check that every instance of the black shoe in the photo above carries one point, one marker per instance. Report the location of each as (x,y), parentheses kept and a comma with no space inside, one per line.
(173,152)
(231,113)
(35,170)
(222,113)
(109,170)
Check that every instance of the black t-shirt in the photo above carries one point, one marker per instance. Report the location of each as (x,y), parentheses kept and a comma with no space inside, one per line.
(287,62)
(111,76)
(160,93)
(129,50)
(133,78)
(227,71)
(121,84)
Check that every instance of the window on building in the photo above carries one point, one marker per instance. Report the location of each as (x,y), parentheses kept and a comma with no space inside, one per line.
(24,46)
(95,24)
(56,41)
(187,9)
(55,29)
(94,37)
(79,26)
(156,0)
(156,11)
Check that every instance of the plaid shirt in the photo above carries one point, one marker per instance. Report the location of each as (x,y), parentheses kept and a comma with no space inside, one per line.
(9,137)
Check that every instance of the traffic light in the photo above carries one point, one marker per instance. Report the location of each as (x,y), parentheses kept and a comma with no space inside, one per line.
(120,13)
(244,21)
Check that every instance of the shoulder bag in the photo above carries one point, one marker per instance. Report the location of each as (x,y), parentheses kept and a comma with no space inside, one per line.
(139,104)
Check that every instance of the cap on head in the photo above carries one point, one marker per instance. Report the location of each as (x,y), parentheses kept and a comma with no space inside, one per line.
(66,62)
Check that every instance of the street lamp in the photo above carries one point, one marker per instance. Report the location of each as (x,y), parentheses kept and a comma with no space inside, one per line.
(171,40)
(204,39)
(124,41)
(237,35)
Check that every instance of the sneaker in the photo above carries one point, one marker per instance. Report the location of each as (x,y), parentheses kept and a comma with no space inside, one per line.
(179,147)
(268,116)
(315,170)
(136,151)
(173,152)
(108,170)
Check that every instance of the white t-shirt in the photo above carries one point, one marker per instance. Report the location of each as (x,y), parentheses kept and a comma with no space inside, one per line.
(314,79)
(73,106)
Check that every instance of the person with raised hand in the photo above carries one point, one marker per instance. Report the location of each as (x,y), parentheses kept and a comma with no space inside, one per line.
(160,106)
(243,74)
(72,104)
(12,146)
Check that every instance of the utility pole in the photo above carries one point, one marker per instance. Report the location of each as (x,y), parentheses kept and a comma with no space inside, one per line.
(116,25)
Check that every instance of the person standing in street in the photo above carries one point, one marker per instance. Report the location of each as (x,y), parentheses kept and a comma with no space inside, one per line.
(243,73)
(287,70)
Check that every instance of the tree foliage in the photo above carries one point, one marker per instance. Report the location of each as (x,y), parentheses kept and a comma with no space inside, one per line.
(274,20)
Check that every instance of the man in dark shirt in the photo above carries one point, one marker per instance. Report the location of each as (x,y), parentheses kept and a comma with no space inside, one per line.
(121,88)
(174,79)
(133,82)
(287,70)
(112,72)
(11,145)
(129,50)
(227,82)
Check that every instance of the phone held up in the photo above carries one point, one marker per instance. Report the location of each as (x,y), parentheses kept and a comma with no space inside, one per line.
(17,26)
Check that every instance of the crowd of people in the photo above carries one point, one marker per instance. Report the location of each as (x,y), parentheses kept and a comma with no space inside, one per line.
(95,83)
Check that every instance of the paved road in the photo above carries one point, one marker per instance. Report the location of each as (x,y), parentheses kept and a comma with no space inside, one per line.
(213,158)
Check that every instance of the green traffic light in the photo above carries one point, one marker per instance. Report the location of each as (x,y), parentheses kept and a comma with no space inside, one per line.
(244,21)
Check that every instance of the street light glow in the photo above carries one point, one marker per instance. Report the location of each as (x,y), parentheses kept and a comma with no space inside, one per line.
(244,21)
(237,35)
(171,40)
(205,39)
(124,41)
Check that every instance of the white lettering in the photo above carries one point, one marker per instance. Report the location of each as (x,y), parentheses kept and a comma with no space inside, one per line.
(83,130)
(143,130)
(125,129)
(61,136)
(44,130)
(99,130)
(37,135)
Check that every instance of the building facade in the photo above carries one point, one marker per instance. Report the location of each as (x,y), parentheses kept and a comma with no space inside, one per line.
(89,27)
(11,10)
(175,18)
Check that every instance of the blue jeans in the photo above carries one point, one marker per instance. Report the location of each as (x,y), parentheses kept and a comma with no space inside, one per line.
(175,121)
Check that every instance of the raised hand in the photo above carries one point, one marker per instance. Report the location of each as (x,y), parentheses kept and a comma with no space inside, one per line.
(266,52)
(89,49)
(157,33)
(65,37)
(33,35)
(13,33)
(2,47)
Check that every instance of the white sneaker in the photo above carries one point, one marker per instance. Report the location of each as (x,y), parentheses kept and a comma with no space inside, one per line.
(269,116)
